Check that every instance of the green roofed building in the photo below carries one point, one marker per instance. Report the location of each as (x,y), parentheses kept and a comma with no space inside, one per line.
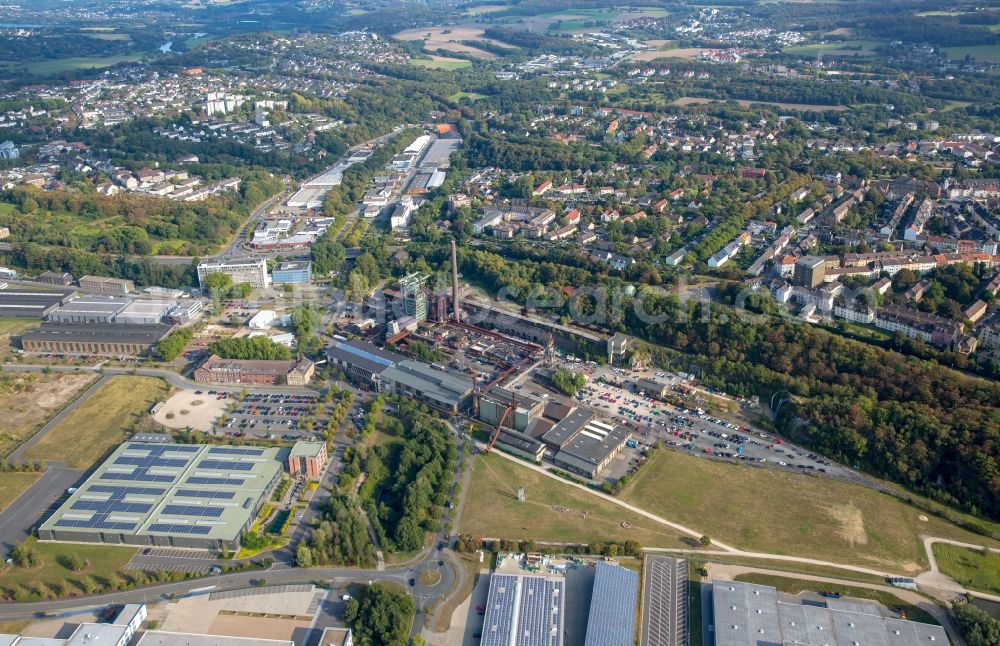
(169,495)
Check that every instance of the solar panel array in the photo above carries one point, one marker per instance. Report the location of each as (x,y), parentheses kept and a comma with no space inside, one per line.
(208,480)
(172,528)
(193,510)
(225,465)
(205,493)
(534,603)
(612,607)
(168,489)
(125,490)
(235,450)
(115,503)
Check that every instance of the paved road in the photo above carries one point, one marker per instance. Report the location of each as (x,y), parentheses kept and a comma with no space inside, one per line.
(17,455)
(276,575)
(17,521)
(174,379)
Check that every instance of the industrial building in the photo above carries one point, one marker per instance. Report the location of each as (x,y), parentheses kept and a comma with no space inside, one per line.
(290,273)
(184,312)
(414,297)
(253,272)
(651,388)
(307,460)
(383,371)
(61,278)
(585,444)
(664,601)
(169,495)
(89,309)
(144,312)
(31,303)
(94,338)
(524,609)
(126,625)
(166,638)
(362,362)
(106,285)
(746,614)
(117,633)
(245,371)
(428,385)
(611,621)
(496,400)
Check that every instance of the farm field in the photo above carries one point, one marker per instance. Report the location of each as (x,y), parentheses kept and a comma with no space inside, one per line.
(676,52)
(835,48)
(450,39)
(29,399)
(44,68)
(973,569)
(780,512)
(552,510)
(988,53)
(86,434)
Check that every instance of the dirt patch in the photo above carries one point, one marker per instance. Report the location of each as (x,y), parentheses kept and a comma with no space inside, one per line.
(185,409)
(852,524)
(28,400)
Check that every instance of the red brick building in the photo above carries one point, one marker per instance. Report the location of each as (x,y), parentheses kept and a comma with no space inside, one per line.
(307,460)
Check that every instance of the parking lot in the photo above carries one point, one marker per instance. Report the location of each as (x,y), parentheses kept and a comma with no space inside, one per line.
(272,416)
(696,431)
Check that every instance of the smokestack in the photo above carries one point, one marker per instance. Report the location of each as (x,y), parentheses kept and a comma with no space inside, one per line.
(454,284)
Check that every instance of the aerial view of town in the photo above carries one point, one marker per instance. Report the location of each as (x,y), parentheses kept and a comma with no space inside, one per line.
(499,323)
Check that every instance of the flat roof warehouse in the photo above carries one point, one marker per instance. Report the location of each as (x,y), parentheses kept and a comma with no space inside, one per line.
(173,495)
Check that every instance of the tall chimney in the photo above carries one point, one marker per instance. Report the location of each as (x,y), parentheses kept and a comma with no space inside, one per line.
(454,284)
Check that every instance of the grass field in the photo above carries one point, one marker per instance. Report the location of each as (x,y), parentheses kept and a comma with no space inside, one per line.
(46,68)
(86,434)
(440,63)
(789,513)
(988,53)
(471,96)
(13,484)
(973,569)
(795,586)
(53,571)
(801,107)
(492,510)
(835,48)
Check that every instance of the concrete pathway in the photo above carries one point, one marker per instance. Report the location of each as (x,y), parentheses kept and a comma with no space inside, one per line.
(942,586)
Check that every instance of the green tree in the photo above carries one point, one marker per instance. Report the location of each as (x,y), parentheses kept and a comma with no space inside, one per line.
(218,283)
(380,617)
(568,382)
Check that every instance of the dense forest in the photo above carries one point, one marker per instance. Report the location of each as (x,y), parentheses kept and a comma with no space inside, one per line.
(407,480)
